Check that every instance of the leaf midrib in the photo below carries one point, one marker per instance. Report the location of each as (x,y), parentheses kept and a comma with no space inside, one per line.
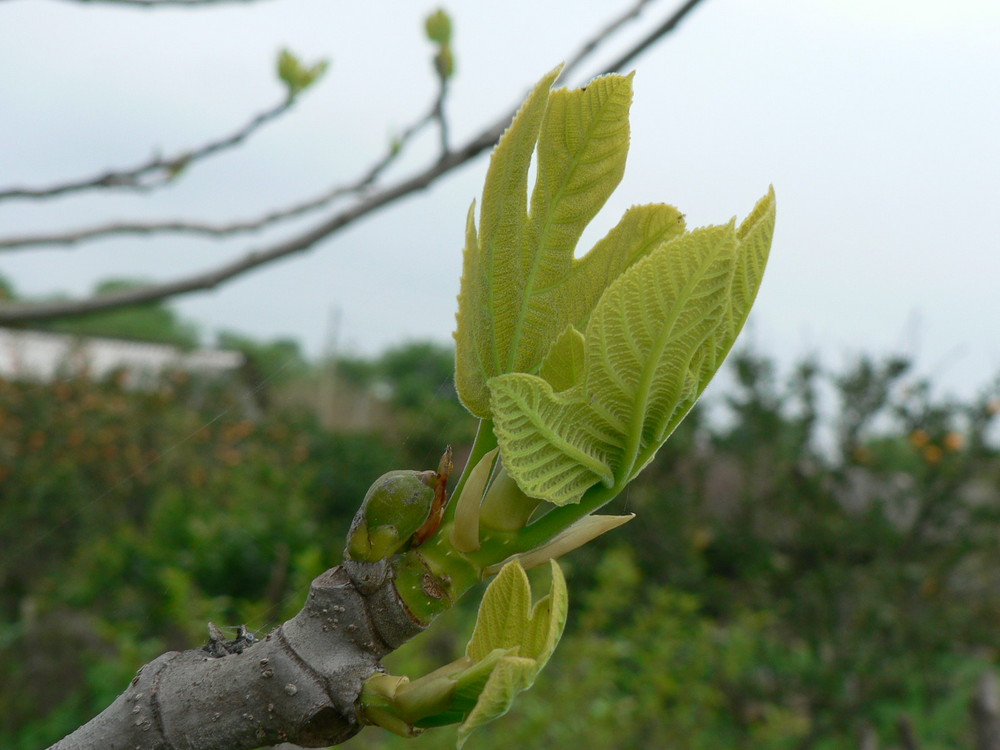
(634,437)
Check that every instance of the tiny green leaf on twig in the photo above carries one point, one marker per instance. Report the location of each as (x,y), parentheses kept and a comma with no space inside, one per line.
(438,27)
(506,620)
(297,76)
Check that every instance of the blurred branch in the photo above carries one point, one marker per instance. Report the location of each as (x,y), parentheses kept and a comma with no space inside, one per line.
(591,45)
(153,3)
(360,185)
(33,311)
(448,160)
(437,114)
(158,171)
(668,25)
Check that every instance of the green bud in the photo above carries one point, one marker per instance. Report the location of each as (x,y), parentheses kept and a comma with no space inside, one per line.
(444,62)
(465,530)
(438,27)
(396,505)
(506,507)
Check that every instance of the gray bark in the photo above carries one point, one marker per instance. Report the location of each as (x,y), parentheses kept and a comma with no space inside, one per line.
(300,684)
(869,737)
(986,713)
(907,733)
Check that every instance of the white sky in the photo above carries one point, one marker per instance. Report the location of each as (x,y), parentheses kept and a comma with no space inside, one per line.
(876,120)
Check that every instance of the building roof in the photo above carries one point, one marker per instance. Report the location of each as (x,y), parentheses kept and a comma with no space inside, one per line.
(45,356)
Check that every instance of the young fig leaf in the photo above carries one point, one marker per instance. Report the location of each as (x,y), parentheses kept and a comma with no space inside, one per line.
(655,339)
(506,620)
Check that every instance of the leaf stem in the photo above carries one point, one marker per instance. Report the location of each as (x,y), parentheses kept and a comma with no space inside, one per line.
(484,442)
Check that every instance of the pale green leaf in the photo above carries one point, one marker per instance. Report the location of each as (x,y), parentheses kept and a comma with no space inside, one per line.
(563,365)
(502,218)
(648,328)
(469,684)
(653,342)
(640,231)
(553,444)
(506,619)
(548,618)
(511,675)
(521,285)
(754,235)
(503,613)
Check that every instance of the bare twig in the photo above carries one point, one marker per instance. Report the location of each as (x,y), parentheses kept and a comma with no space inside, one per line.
(363,183)
(157,171)
(668,25)
(985,707)
(34,311)
(24,312)
(439,116)
(591,45)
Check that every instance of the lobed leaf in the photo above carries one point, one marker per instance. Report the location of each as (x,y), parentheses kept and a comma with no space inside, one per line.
(521,284)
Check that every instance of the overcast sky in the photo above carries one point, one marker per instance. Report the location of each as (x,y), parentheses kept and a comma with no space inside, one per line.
(877,121)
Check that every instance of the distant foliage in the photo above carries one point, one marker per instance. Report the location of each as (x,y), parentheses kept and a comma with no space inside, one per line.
(154,321)
(152,512)
(822,552)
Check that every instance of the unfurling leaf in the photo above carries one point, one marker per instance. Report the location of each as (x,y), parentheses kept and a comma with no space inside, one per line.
(511,643)
(653,342)
(507,620)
